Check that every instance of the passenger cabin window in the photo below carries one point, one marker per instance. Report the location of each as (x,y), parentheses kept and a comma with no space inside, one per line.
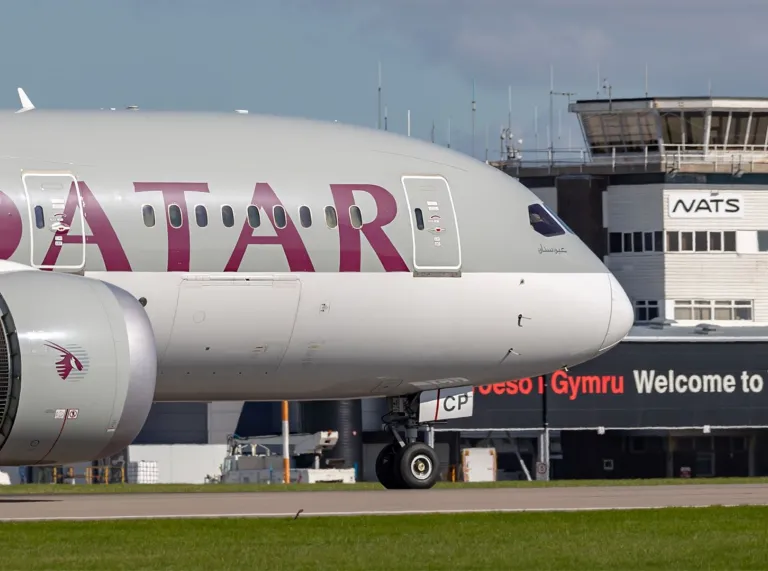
(227,216)
(174,215)
(281,220)
(39,217)
(254,216)
(331,219)
(148,213)
(355,216)
(543,222)
(419,219)
(305,216)
(201,216)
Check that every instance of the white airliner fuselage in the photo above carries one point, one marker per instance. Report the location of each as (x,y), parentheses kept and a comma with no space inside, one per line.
(354,264)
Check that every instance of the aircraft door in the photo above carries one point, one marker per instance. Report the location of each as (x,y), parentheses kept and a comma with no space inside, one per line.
(55,207)
(436,243)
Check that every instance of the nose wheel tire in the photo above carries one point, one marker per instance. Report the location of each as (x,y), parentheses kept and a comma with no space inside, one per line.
(414,466)
(386,468)
(418,465)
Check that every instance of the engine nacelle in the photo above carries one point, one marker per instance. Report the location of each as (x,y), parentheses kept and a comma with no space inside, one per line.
(78,367)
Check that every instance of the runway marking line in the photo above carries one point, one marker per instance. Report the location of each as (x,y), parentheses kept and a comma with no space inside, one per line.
(362,513)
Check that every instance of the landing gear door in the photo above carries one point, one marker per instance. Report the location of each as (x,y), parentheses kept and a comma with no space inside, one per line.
(436,243)
(56,220)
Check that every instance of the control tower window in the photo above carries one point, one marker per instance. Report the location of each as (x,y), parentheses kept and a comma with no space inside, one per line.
(693,124)
(621,132)
(757,131)
(593,130)
(717,129)
(672,129)
(612,130)
(648,135)
(737,133)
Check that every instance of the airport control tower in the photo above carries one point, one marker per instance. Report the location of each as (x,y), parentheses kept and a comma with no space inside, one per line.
(672,192)
(668,134)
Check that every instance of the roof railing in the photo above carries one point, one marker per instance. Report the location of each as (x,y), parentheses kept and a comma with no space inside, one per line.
(670,158)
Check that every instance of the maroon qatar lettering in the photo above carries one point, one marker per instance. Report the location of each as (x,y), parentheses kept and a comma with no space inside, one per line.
(11,227)
(293,246)
(178,238)
(102,234)
(350,255)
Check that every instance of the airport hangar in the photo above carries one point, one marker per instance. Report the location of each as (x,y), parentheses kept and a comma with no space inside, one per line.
(673,194)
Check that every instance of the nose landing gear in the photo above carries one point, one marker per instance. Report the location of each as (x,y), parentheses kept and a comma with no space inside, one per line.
(406,463)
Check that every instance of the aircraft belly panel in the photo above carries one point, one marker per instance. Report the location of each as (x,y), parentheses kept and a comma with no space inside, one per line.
(237,324)
(436,244)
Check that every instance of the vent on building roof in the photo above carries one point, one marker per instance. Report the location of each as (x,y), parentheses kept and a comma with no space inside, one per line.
(661,322)
(704,328)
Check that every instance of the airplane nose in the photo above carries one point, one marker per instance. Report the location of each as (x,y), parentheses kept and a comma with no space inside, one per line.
(622,316)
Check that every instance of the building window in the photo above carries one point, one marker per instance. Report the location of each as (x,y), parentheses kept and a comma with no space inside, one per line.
(717,310)
(635,242)
(762,240)
(673,241)
(614,243)
(715,242)
(646,310)
(701,241)
(686,241)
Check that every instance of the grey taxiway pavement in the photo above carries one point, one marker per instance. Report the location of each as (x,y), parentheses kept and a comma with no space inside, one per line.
(287,504)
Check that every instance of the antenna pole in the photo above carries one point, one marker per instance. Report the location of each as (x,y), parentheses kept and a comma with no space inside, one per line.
(409,122)
(646,80)
(385,118)
(432,134)
(486,142)
(474,107)
(536,127)
(449,132)
(551,107)
(501,142)
(598,82)
(509,111)
(378,124)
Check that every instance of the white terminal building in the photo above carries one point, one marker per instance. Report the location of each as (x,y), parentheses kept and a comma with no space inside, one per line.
(680,187)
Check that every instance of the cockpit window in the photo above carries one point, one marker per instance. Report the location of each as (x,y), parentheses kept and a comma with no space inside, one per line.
(560,221)
(544,222)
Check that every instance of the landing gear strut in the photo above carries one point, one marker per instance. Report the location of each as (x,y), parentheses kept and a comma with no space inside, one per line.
(406,463)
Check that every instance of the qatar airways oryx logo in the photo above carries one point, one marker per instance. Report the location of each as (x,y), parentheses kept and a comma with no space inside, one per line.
(71,361)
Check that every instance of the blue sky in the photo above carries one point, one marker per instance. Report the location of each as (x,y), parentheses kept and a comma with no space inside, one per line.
(318,58)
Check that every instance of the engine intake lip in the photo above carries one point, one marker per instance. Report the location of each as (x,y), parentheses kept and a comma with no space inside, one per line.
(10,372)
